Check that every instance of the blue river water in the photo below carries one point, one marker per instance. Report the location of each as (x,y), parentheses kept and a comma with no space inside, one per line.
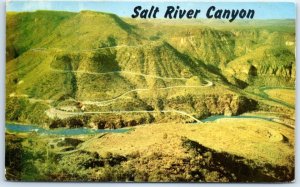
(214,118)
(17,128)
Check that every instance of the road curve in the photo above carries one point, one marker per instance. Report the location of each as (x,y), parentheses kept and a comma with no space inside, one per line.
(68,114)
(108,102)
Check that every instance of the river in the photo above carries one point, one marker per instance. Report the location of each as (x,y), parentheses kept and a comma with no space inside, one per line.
(19,128)
(214,118)
(264,95)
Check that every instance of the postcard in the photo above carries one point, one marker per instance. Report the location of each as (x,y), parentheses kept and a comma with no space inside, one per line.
(143,91)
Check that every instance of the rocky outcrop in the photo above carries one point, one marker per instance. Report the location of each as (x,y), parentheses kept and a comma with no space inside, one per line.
(284,71)
(213,104)
(229,105)
(114,122)
(229,167)
(72,122)
(264,62)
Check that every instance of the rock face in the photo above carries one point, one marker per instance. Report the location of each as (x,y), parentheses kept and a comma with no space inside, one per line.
(241,104)
(199,107)
(227,111)
(254,67)
(229,105)
(211,46)
(213,104)
(112,121)
(71,122)
(118,123)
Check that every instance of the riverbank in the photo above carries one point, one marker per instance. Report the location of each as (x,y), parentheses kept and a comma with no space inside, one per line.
(201,152)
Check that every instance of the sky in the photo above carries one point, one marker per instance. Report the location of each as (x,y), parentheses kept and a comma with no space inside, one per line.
(263,10)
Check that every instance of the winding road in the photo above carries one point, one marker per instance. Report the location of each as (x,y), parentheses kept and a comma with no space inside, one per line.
(110,101)
(53,112)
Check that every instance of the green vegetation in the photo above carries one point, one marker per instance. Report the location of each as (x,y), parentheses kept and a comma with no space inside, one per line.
(99,71)
(161,152)
(32,27)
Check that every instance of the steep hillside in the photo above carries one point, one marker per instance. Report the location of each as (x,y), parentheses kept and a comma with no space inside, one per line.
(83,31)
(90,30)
(29,72)
(211,46)
(220,45)
(26,30)
(262,65)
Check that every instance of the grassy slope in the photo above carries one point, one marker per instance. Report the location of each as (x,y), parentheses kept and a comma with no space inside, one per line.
(283,95)
(27,30)
(222,138)
(89,30)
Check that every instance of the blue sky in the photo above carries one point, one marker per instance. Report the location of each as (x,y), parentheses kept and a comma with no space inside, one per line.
(263,10)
